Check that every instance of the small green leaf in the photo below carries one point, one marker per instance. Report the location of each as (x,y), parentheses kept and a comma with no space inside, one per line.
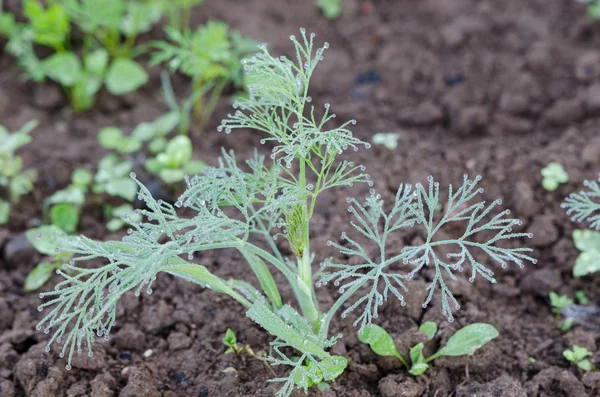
(39,276)
(229,339)
(335,366)
(96,62)
(72,195)
(114,224)
(45,239)
(553,175)
(81,177)
(64,68)
(4,212)
(586,365)
(123,187)
(380,341)
(587,262)
(581,352)
(110,137)
(468,339)
(582,297)
(429,328)
(179,150)
(586,239)
(331,9)
(124,76)
(418,361)
(171,176)
(65,216)
(559,302)
(388,140)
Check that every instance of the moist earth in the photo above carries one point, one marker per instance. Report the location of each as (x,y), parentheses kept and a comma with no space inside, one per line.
(496,88)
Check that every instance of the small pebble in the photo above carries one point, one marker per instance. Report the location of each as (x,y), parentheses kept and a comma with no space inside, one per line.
(125,355)
(148,353)
(203,392)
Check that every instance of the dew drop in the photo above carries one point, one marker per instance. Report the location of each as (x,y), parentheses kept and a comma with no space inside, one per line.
(132,174)
(68,367)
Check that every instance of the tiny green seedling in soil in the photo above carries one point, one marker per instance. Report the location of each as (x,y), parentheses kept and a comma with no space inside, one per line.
(230,341)
(581,297)
(558,303)
(121,216)
(578,356)
(464,342)
(108,31)
(14,180)
(249,207)
(211,56)
(46,240)
(553,175)
(585,206)
(331,9)
(65,205)
(593,8)
(389,140)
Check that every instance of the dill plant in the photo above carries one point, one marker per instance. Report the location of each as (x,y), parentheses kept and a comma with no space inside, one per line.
(276,197)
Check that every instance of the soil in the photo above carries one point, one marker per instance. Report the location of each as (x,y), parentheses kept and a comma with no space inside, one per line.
(497,88)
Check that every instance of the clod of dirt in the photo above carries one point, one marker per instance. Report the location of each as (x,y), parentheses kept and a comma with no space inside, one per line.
(472,120)
(564,112)
(523,199)
(540,57)
(592,380)
(130,338)
(178,341)
(587,66)
(48,96)
(504,386)
(553,380)
(7,388)
(591,152)
(141,383)
(94,363)
(103,385)
(541,282)
(581,337)
(157,317)
(7,315)
(398,385)
(544,231)
(18,252)
(591,99)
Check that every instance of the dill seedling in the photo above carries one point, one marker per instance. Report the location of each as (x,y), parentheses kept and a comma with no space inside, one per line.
(247,208)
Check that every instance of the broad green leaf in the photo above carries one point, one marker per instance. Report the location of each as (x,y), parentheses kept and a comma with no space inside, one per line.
(72,195)
(157,128)
(124,76)
(22,183)
(110,137)
(418,369)
(4,212)
(65,216)
(171,176)
(81,177)
(96,62)
(468,339)
(380,341)
(50,26)
(335,365)
(429,328)
(64,68)
(130,145)
(46,239)
(586,365)
(586,239)
(39,276)
(157,145)
(587,262)
(114,224)
(179,151)
(264,276)
(123,187)
(581,352)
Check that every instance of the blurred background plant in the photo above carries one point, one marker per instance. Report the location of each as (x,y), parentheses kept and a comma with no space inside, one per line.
(14,180)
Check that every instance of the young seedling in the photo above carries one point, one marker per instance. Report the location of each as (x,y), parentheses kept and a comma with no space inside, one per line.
(175,162)
(585,206)
(211,56)
(553,175)
(581,297)
(389,140)
(247,208)
(578,356)
(109,34)
(121,216)
(45,239)
(330,8)
(65,205)
(14,180)
(464,342)
(230,341)
(558,303)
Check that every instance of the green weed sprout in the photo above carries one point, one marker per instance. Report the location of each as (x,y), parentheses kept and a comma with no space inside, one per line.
(175,161)
(593,9)
(464,342)
(65,205)
(588,261)
(14,180)
(558,303)
(211,56)
(121,216)
(45,239)
(247,208)
(109,32)
(230,341)
(389,140)
(553,175)
(578,356)
(330,8)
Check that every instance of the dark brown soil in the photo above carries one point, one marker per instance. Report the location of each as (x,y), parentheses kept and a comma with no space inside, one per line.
(497,88)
